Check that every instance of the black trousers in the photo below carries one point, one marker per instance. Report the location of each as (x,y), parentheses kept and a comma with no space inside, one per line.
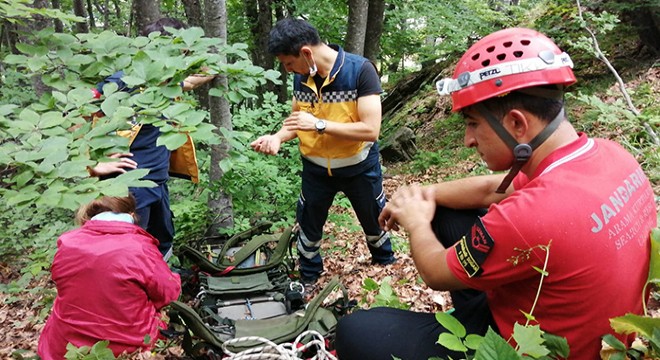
(381,333)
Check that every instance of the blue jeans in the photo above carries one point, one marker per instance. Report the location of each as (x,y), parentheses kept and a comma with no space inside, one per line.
(364,191)
(154,214)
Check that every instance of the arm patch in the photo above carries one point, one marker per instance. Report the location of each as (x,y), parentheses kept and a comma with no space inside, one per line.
(473,248)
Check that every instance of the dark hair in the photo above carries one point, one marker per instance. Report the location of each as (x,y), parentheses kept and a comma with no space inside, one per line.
(544,108)
(160,24)
(289,35)
(106,203)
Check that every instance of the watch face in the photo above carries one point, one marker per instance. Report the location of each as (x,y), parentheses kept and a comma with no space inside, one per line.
(320,125)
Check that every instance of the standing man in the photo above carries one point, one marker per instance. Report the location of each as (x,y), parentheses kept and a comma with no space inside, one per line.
(579,208)
(336,117)
(153,204)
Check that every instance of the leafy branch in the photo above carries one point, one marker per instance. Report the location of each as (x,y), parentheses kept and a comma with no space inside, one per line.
(600,55)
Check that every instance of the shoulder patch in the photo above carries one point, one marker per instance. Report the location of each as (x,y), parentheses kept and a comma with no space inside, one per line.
(473,249)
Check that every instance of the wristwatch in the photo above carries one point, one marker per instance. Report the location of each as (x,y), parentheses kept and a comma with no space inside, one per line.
(320,126)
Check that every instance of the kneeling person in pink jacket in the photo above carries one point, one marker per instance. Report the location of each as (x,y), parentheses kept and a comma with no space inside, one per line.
(111,283)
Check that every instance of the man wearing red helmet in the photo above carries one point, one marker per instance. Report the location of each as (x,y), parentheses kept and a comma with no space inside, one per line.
(579,208)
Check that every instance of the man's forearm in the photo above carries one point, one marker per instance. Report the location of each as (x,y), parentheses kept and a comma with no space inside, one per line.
(469,193)
(285,135)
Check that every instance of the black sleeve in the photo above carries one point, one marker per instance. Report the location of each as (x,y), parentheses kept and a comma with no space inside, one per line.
(368,80)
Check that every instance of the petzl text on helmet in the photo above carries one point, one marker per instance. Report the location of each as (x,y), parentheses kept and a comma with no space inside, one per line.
(545,60)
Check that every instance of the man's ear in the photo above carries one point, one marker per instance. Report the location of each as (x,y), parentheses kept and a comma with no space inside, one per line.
(518,124)
(307,52)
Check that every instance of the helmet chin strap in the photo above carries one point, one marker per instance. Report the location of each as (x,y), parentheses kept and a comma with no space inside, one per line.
(521,152)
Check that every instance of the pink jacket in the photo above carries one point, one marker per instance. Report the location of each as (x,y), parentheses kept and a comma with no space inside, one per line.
(111,283)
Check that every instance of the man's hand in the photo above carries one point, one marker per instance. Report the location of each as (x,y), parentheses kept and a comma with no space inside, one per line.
(300,121)
(410,207)
(267,144)
(196,80)
(118,166)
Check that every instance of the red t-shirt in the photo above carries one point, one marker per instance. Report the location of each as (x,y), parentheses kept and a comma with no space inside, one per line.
(111,283)
(593,204)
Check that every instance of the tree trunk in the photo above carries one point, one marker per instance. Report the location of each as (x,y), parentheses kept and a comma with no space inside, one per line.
(259,15)
(59,27)
(79,10)
(194,15)
(37,23)
(220,203)
(106,15)
(145,12)
(374,29)
(357,26)
(647,21)
(280,8)
(90,14)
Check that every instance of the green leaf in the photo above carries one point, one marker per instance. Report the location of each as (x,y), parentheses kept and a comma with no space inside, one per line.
(225,165)
(615,343)
(654,267)
(217,92)
(557,345)
(173,91)
(529,339)
(100,351)
(191,35)
(473,341)
(25,195)
(29,116)
(451,342)
(540,271)
(60,97)
(369,284)
(133,81)
(172,140)
(73,169)
(74,353)
(23,177)
(109,105)
(80,96)
(631,323)
(15,59)
(494,347)
(50,119)
(51,197)
(174,111)
(36,64)
(451,324)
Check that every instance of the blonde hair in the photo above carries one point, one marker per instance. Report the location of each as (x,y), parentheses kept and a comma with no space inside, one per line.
(106,203)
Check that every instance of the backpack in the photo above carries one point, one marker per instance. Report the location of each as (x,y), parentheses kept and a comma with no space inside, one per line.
(242,294)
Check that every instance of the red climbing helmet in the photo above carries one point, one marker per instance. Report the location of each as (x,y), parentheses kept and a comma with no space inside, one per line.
(504,61)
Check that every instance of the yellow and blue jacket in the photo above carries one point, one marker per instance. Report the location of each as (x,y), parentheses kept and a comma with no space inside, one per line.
(336,101)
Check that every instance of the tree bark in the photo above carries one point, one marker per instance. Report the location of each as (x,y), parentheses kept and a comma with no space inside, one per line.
(647,22)
(259,14)
(357,26)
(375,19)
(90,14)
(194,15)
(106,15)
(79,10)
(37,23)
(145,12)
(59,27)
(220,203)
(280,8)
